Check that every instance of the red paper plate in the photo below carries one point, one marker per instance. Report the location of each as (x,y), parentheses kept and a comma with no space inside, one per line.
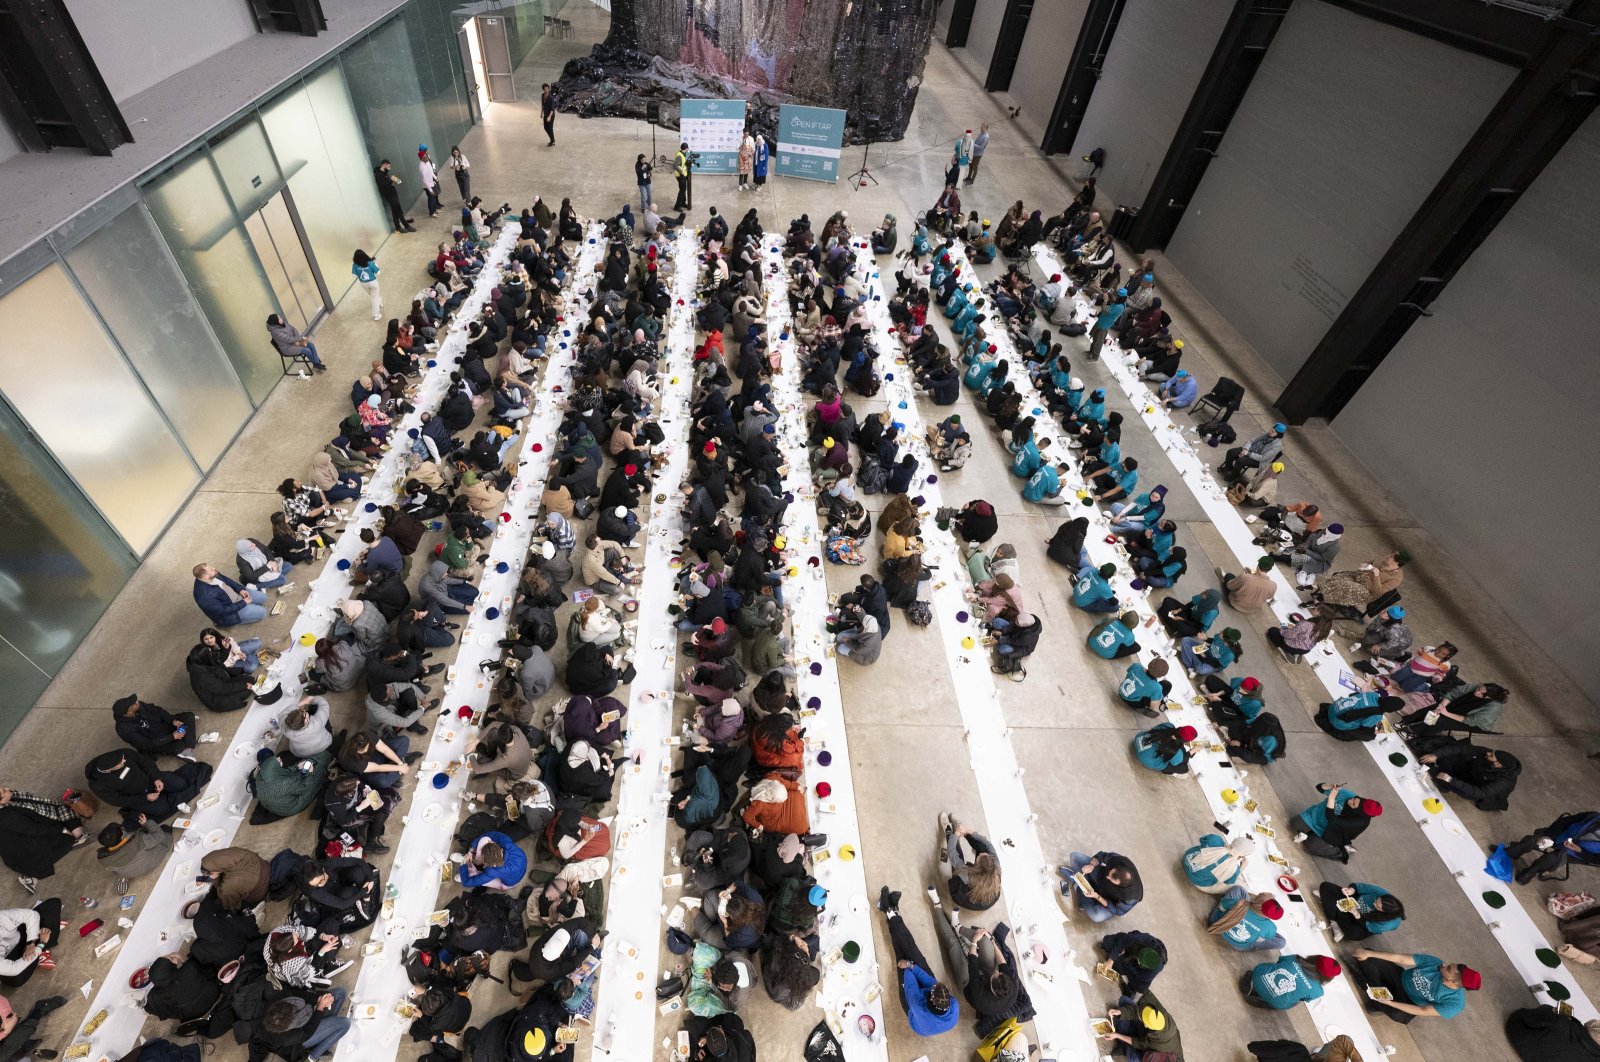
(1288,884)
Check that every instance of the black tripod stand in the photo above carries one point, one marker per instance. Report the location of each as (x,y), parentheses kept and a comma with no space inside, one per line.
(863,175)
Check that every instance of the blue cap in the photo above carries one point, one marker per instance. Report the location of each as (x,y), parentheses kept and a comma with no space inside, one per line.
(1122,293)
(1180,373)
(422,147)
(1149,276)
(817,897)
(1280,428)
(1396,612)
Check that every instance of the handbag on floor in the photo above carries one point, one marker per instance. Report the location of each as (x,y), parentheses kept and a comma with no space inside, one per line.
(1567,905)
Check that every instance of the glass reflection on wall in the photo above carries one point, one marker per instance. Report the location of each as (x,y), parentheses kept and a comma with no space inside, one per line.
(124,269)
(315,135)
(64,376)
(60,566)
(188,205)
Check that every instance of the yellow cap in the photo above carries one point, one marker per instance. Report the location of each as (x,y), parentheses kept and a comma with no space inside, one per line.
(1152,1019)
(827,444)
(1177,344)
(1277,466)
(780,542)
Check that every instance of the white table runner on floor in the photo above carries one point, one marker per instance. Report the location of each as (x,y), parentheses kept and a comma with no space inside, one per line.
(431,818)
(1031,888)
(625,1007)
(159,926)
(1511,924)
(1339,1010)
(847,990)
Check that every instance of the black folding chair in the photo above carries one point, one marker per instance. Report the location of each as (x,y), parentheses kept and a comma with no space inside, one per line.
(1223,400)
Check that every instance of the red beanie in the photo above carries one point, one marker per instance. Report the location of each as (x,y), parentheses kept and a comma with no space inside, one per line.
(1371,808)
(1328,968)
(1273,910)
(718,625)
(630,470)
(1471,979)
(711,446)
(1250,685)
(1188,733)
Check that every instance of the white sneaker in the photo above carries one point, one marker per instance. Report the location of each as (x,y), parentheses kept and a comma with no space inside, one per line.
(933,895)
(1338,934)
(1299,838)
(188,754)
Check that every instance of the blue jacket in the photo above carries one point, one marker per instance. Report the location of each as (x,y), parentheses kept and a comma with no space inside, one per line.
(1183,390)
(914,985)
(510,872)
(216,604)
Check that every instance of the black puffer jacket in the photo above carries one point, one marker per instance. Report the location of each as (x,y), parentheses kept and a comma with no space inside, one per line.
(219,688)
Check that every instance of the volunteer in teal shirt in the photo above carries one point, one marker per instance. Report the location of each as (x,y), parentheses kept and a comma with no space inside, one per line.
(1044,486)
(1114,639)
(1246,923)
(1091,592)
(1292,979)
(1424,986)
(1144,688)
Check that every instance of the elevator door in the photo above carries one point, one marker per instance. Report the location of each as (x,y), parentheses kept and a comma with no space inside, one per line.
(496,48)
(283,253)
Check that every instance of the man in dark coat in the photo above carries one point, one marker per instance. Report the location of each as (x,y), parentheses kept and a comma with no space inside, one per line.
(1541,1034)
(125,778)
(151,728)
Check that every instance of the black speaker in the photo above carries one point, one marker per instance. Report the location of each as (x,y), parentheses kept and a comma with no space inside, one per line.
(652,112)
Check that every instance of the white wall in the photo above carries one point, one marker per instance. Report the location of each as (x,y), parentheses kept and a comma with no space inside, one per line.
(1482,419)
(1046,50)
(1151,70)
(981,38)
(1347,126)
(137,43)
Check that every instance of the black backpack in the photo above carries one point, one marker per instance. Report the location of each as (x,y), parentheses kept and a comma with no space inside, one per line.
(871,477)
(919,613)
(1218,432)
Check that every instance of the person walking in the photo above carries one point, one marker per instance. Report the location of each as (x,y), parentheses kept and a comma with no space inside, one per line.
(680,170)
(389,192)
(463,170)
(980,144)
(430,179)
(365,268)
(642,172)
(547,112)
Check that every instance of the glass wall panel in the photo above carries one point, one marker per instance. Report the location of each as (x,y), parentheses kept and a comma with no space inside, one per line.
(188,205)
(315,135)
(249,172)
(60,566)
(124,268)
(405,80)
(64,376)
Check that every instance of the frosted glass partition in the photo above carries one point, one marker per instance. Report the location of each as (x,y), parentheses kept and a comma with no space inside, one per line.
(60,566)
(192,212)
(64,376)
(314,133)
(249,171)
(125,269)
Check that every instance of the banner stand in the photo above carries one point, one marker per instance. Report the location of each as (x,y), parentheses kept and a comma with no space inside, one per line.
(809,143)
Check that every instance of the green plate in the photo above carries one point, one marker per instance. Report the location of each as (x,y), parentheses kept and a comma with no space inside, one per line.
(1548,957)
(1494,899)
(1398,759)
(1557,991)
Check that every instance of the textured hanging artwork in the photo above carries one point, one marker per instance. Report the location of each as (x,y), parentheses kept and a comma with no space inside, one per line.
(864,57)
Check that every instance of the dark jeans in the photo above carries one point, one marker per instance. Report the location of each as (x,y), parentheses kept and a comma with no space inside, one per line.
(1351,925)
(905,947)
(349,486)
(178,787)
(1316,845)
(1375,973)
(49,919)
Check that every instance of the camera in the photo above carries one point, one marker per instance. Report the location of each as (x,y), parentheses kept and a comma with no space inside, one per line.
(694,158)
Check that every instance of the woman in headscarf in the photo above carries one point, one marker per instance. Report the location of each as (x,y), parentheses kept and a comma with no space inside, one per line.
(371,630)
(762,157)
(336,486)
(586,773)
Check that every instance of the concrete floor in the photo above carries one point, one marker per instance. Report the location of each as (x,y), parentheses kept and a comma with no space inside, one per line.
(1074,736)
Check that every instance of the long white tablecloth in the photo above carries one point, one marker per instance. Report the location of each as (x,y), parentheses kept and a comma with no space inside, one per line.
(159,926)
(1338,1010)
(848,990)
(430,821)
(1031,891)
(625,1004)
(1510,924)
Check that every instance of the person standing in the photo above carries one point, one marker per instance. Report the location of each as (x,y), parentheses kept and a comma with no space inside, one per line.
(642,172)
(963,150)
(547,112)
(680,170)
(761,160)
(1110,313)
(389,191)
(980,144)
(747,161)
(430,179)
(365,268)
(463,170)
